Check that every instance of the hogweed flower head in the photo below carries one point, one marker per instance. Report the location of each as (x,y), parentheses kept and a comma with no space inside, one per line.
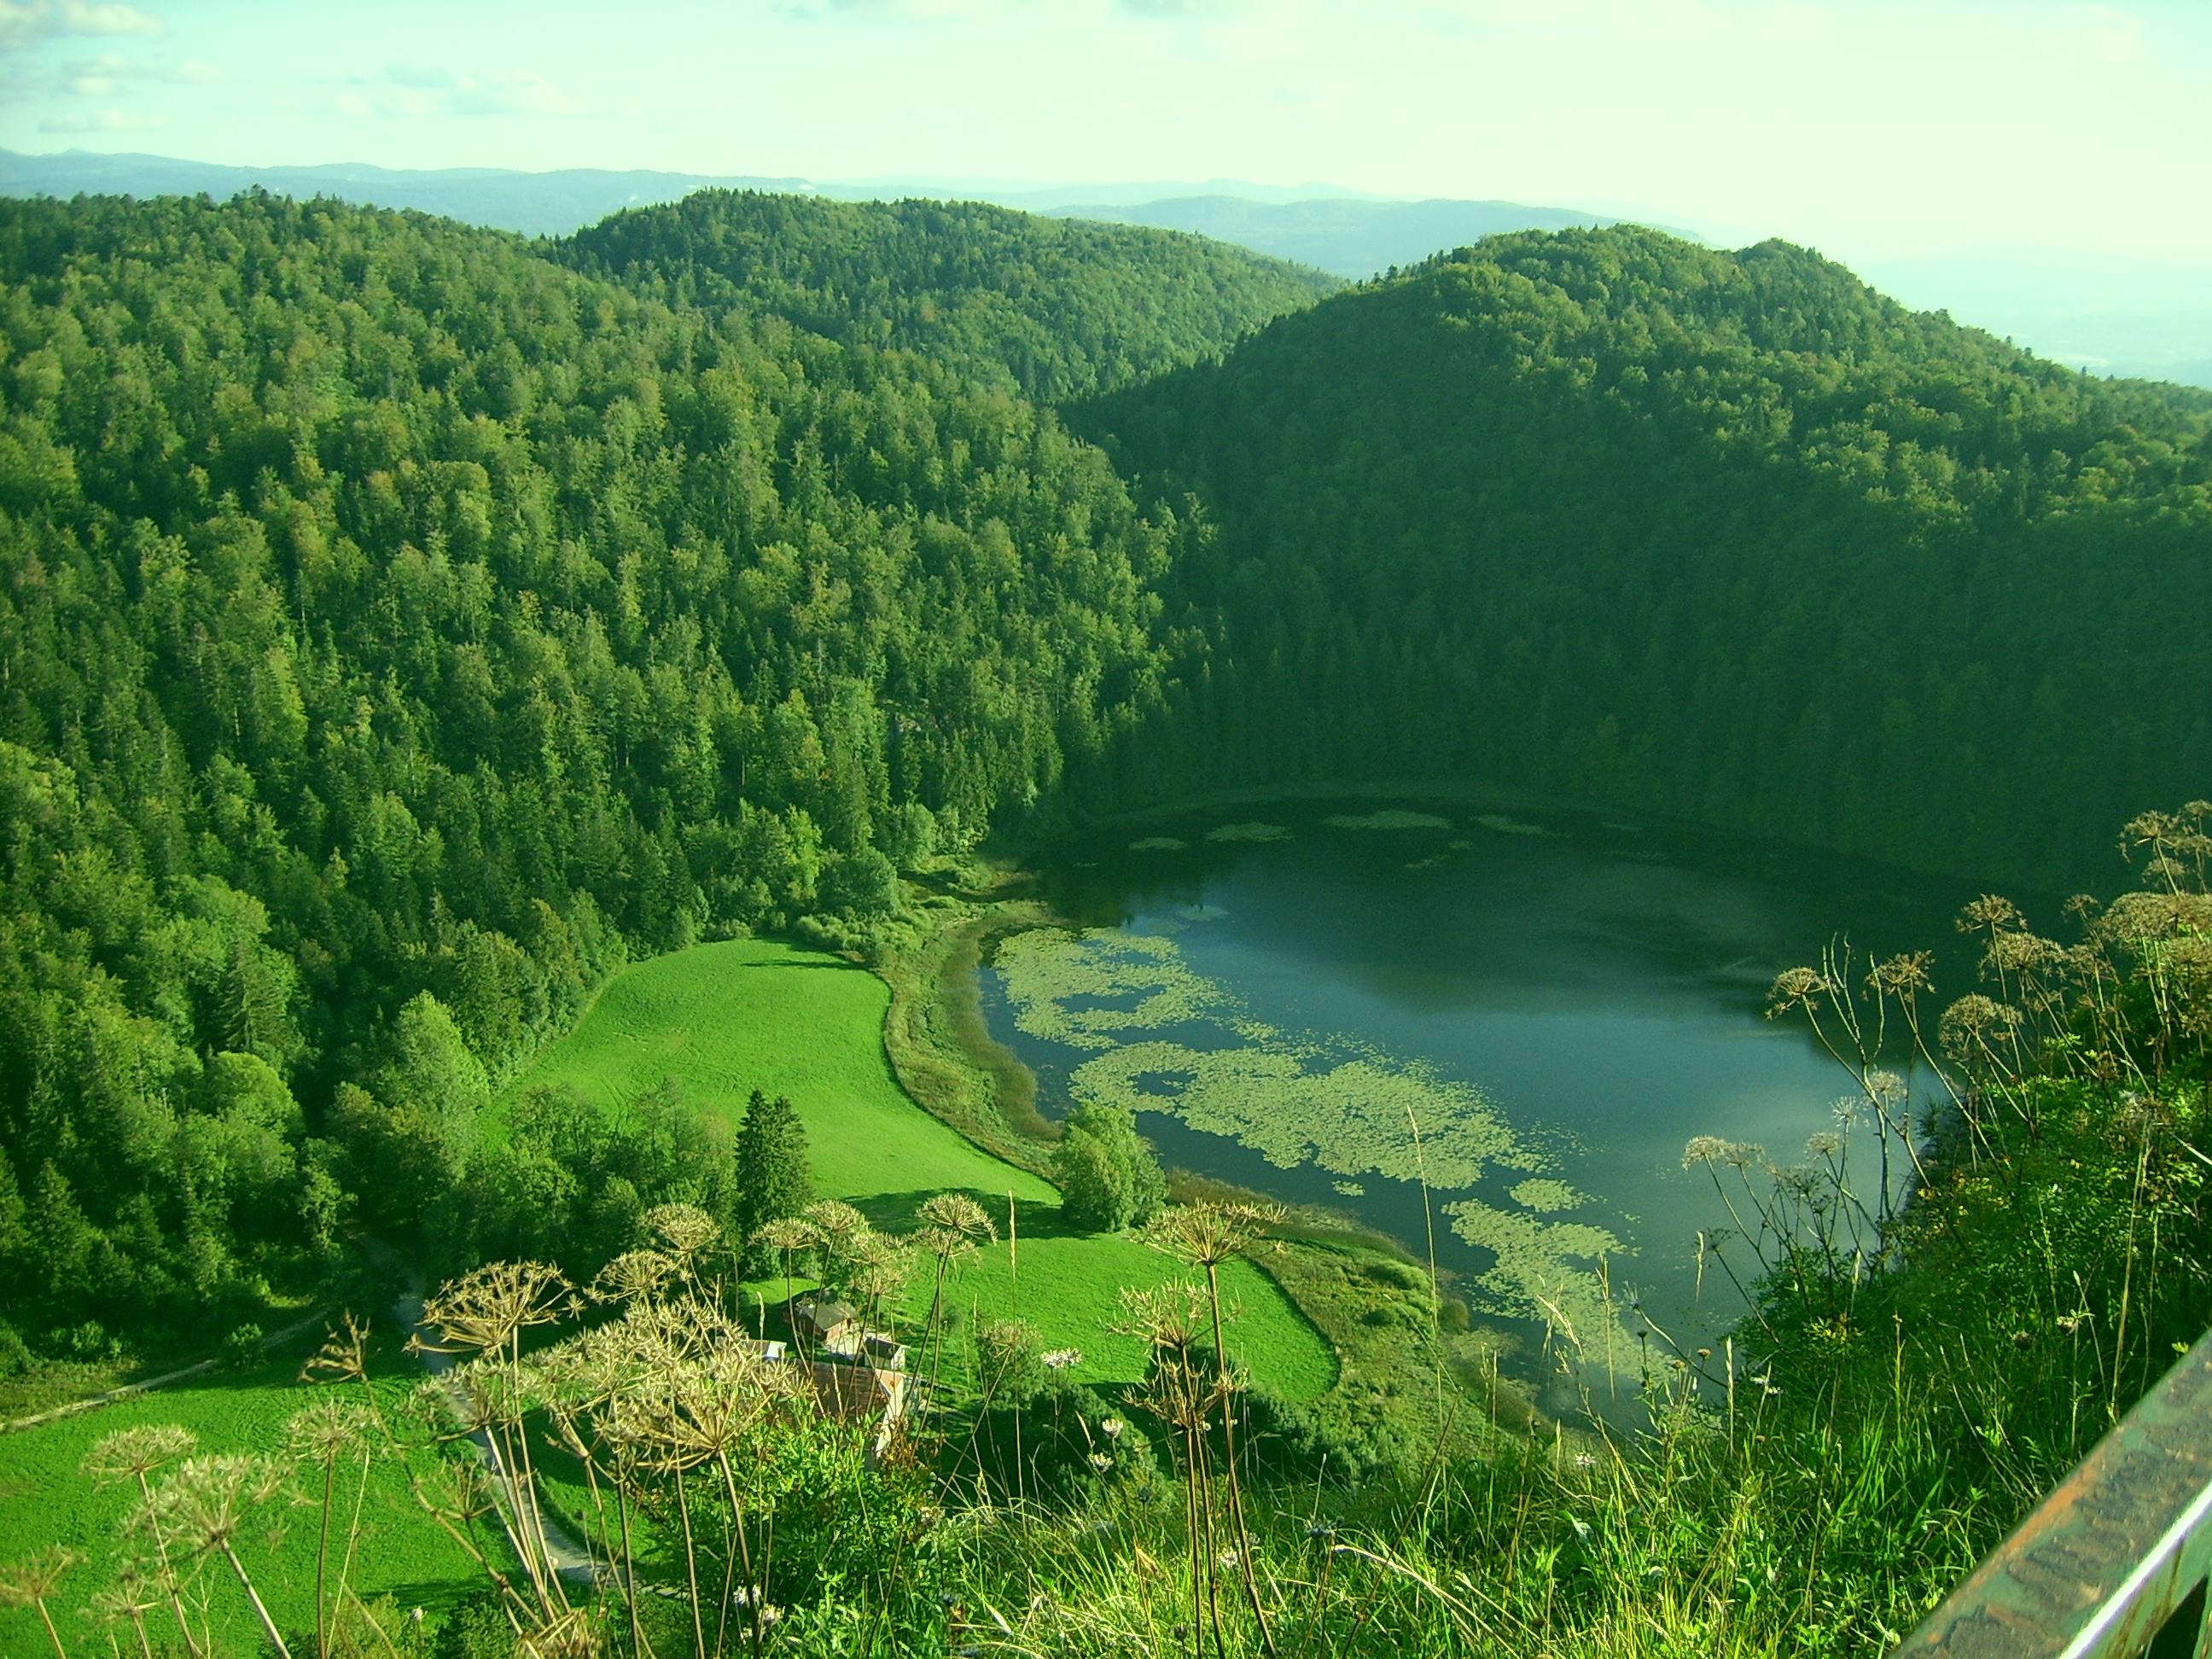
(1207,1234)
(487,1307)
(956,1212)
(133,1453)
(326,1430)
(1794,988)
(32,1580)
(686,1229)
(635,1276)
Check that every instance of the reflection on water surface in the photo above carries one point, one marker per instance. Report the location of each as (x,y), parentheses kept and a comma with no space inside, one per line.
(1534,1012)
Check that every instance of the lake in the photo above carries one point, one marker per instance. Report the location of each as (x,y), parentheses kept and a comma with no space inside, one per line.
(1327,1002)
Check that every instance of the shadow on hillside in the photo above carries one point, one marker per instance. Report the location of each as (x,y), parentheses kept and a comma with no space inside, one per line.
(894,1212)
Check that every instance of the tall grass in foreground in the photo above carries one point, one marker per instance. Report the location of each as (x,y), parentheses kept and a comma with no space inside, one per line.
(1928,1349)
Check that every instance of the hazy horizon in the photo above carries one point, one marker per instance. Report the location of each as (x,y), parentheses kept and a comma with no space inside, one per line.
(1868,128)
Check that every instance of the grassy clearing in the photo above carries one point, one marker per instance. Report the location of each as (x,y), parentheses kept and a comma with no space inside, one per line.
(44,1500)
(725,1019)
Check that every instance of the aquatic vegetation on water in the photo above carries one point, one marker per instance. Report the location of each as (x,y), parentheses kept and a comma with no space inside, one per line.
(1548,1195)
(1389,820)
(1248,832)
(1534,1277)
(1351,1119)
(1157,844)
(1506,826)
(1047,973)
(1300,1099)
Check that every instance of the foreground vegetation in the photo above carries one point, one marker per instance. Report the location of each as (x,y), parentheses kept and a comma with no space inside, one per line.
(403,629)
(1924,1356)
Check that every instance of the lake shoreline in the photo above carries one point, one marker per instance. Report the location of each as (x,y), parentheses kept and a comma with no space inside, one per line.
(1351,1282)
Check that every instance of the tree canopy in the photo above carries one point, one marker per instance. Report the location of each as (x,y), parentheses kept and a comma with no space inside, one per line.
(1727,535)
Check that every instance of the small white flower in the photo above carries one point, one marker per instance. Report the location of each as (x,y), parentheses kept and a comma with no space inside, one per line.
(1101,1462)
(1060,1358)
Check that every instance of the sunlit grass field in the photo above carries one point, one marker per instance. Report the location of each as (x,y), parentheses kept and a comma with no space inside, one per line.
(44,1500)
(725,1019)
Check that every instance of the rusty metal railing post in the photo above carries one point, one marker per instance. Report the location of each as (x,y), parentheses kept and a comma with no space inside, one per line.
(2113,1564)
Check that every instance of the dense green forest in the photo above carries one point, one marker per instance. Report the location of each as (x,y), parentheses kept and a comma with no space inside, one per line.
(1052,309)
(1726,534)
(403,626)
(398,628)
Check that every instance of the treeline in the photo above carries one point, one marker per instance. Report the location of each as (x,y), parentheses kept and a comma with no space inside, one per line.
(1049,309)
(398,631)
(1725,535)
(402,625)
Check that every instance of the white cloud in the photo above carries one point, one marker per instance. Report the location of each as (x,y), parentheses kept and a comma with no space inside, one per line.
(417,90)
(24,23)
(101,120)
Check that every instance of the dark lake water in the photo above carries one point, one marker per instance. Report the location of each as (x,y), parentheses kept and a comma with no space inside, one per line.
(1538,1009)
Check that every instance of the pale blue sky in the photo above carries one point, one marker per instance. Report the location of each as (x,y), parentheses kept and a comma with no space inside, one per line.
(1869,128)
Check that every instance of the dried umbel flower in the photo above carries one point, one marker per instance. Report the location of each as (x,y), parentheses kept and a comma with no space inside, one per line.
(1973,1025)
(134,1454)
(1991,913)
(344,1357)
(836,1221)
(1794,988)
(956,1212)
(328,1429)
(1886,1090)
(690,1413)
(486,1307)
(1711,1149)
(685,1229)
(31,1583)
(204,1503)
(1170,1316)
(1905,975)
(635,1276)
(787,1233)
(1207,1234)
(26,1583)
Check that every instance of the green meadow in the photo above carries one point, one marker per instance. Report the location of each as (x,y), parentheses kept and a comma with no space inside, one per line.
(44,1500)
(725,1019)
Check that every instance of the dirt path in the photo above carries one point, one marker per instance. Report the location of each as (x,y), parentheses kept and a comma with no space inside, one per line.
(517,1496)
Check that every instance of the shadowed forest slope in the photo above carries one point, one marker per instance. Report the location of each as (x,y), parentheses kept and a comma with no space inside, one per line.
(1726,534)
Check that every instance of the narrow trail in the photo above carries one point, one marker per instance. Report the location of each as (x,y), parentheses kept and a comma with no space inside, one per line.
(131,1390)
(517,1503)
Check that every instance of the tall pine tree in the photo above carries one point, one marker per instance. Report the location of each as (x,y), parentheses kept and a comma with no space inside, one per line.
(773,1179)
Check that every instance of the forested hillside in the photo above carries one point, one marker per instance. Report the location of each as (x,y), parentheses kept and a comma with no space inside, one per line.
(400,628)
(397,628)
(1049,308)
(1727,535)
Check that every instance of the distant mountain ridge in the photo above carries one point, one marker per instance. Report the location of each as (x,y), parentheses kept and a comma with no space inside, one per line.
(1346,237)
(535,203)
(2102,313)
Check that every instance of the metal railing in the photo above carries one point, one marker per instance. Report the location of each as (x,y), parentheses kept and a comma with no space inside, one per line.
(2113,1564)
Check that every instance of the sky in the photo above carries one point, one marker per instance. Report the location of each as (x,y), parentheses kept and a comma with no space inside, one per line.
(1869,129)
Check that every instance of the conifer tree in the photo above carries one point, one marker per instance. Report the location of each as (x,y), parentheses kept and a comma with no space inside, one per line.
(773,1179)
